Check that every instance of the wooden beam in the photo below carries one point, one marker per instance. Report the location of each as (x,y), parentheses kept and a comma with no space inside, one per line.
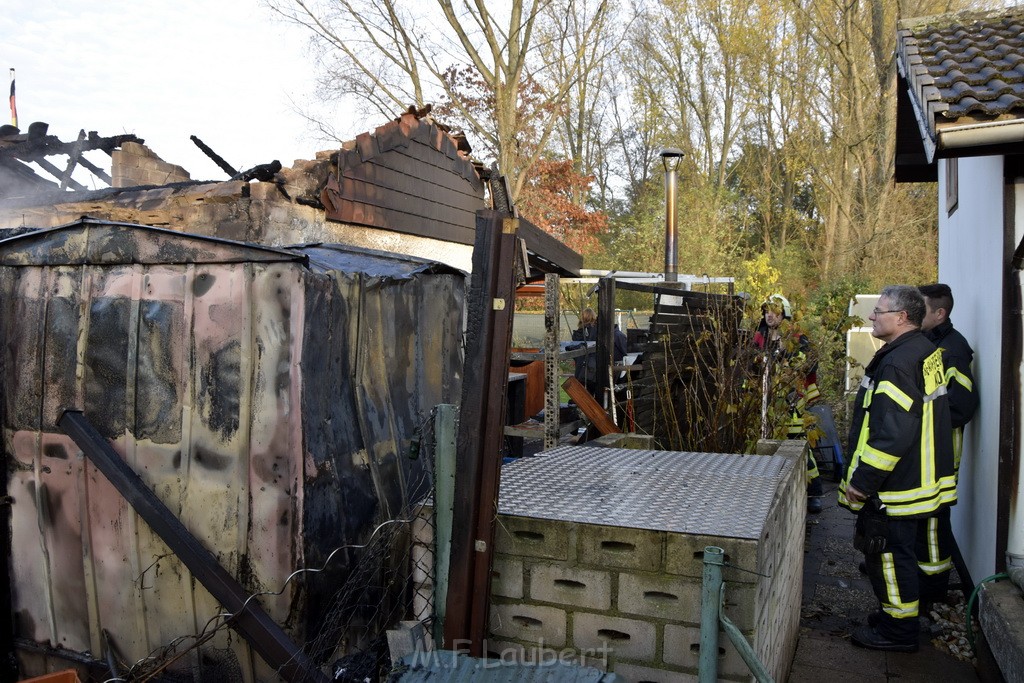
(481,430)
(57,173)
(73,155)
(590,407)
(269,640)
(96,170)
(550,249)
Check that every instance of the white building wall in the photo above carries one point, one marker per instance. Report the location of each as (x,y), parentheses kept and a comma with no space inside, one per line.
(971,263)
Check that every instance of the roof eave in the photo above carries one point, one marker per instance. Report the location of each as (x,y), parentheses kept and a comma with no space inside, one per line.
(979,135)
(915,147)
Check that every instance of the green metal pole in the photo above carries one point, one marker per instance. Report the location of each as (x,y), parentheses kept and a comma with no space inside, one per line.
(444,503)
(709,607)
(746,651)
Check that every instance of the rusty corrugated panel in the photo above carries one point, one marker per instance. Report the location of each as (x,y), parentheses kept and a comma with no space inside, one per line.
(450,667)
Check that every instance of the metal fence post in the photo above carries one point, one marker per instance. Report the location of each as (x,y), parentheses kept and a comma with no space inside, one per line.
(444,497)
(709,604)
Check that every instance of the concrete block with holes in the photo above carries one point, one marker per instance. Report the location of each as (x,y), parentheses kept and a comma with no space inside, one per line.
(530,623)
(609,546)
(574,586)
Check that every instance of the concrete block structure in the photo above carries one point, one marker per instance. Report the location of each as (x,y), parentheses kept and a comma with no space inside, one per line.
(600,551)
(135,165)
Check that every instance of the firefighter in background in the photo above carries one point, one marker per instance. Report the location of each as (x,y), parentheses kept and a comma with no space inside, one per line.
(786,349)
(938,542)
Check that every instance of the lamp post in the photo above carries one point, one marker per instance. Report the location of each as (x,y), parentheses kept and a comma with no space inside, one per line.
(670,158)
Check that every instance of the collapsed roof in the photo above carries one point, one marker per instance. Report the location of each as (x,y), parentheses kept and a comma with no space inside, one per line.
(18,149)
(407,187)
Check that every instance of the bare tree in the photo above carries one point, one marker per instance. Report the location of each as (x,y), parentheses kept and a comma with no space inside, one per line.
(391,55)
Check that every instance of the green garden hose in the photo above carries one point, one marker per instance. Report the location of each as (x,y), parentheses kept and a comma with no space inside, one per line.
(970,604)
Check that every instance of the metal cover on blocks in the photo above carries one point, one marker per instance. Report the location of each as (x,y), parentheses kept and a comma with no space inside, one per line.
(713,494)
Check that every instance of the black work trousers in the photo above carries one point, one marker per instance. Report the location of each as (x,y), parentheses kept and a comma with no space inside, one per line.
(894,580)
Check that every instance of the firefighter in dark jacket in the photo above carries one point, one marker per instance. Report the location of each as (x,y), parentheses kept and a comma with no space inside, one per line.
(901,465)
(957,355)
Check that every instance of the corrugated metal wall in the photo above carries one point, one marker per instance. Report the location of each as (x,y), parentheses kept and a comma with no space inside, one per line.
(269,405)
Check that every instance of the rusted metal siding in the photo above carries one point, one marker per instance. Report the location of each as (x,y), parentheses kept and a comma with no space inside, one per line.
(262,400)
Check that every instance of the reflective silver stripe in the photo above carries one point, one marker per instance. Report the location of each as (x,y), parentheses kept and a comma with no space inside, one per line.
(941,391)
(961,378)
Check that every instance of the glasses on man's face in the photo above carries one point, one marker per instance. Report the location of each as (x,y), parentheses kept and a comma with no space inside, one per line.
(879,311)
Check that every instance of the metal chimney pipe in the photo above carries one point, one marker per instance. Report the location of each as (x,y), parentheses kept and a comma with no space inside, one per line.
(670,158)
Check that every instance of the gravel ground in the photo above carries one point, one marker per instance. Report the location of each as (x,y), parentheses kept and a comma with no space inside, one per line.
(948,626)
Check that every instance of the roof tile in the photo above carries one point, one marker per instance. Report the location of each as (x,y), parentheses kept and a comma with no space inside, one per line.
(974,61)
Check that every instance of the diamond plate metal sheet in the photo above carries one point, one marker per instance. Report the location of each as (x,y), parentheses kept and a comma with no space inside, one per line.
(712,494)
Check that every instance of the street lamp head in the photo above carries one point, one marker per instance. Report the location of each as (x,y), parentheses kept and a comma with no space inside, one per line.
(670,156)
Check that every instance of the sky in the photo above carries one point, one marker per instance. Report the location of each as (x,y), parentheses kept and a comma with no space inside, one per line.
(227,71)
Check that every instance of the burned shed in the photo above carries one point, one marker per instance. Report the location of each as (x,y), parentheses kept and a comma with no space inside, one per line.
(269,397)
(408,187)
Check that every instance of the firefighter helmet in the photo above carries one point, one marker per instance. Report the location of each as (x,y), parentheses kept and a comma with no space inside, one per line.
(779,302)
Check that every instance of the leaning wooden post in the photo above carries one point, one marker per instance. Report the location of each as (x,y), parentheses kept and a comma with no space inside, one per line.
(481,430)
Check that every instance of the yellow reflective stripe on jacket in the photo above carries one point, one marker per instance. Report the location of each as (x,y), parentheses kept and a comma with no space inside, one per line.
(928,442)
(878,459)
(961,378)
(919,507)
(897,498)
(895,393)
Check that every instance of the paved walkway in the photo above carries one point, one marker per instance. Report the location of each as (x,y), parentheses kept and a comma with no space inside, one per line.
(836,600)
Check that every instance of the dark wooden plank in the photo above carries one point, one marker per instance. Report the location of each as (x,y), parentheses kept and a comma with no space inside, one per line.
(403,203)
(411,194)
(700,298)
(422,181)
(550,248)
(481,430)
(418,159)
(391,219)
(57,173)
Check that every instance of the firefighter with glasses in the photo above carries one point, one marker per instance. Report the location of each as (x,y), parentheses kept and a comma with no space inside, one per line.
(901,465)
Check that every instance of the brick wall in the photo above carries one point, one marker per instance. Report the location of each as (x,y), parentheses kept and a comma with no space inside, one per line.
(629,599)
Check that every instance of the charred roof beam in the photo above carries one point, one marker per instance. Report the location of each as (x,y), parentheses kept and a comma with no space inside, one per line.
(26,148)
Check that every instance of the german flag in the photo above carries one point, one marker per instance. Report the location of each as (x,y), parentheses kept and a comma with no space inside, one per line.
(14,106)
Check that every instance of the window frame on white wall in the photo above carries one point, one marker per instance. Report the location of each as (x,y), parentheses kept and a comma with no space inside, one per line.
(952,185)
